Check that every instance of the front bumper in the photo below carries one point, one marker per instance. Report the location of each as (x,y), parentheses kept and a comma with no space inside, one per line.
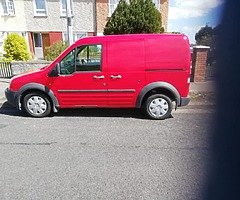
(184,101)
(12,97)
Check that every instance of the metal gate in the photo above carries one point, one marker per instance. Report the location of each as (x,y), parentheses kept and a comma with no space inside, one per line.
(6,70)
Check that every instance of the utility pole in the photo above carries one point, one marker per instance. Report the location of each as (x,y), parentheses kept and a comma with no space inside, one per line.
(69,22)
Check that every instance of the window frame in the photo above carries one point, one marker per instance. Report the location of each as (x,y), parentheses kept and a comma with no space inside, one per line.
(64,11)
(101,57)
(36,10)
(8,11)
(158,5)
(75,33)
(109,7)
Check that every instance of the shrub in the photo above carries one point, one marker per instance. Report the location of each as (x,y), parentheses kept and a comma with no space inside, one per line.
(138,16)
(54,50)
(16,48)
(4,59)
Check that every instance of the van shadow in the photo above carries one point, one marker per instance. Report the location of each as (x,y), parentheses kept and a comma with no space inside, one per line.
(7,109)
(101,112)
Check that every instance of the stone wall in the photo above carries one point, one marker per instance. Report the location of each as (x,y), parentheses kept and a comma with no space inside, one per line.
(19,67)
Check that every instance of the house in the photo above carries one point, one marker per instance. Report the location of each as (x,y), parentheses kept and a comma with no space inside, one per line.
(44,22)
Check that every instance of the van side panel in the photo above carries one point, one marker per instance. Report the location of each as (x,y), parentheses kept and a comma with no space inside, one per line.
(168,60)
(126,71)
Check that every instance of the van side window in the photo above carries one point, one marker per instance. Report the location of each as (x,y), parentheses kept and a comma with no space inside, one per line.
(88,58)
(67,65)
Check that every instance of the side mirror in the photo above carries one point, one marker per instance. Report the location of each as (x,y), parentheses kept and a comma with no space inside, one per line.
(55,71)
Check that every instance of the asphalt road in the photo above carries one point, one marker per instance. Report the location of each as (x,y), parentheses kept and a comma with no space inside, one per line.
(104,154)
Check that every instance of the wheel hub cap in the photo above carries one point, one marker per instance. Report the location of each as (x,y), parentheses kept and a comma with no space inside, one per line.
(158,107)
(37,105)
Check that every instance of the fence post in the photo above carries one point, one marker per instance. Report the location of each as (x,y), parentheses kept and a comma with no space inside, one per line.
(199,63)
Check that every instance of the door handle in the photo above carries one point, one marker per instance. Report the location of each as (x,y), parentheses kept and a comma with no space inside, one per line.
(116,77)
(98,77)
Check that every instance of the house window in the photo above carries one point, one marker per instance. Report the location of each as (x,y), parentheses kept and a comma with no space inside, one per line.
(40,8)
(76,36)
(113,5)
(63,7)
(157,4)
(8,7)
(79,35)
(37,37)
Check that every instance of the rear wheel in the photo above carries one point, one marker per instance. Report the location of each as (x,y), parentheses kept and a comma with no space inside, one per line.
(158,106)
(36,105)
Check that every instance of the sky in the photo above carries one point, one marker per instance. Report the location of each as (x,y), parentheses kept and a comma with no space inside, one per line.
(188,16)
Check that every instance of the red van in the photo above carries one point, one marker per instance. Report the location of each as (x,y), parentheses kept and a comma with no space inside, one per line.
(148,71)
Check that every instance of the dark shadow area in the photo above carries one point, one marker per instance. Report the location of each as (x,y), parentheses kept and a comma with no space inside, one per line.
(102,112)
(224,177)
(7,109)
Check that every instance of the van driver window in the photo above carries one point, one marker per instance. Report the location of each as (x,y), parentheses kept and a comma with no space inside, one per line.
(88,58)
(83,58)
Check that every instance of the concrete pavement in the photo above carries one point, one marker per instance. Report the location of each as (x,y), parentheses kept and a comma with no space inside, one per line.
(3,85)
(201,93)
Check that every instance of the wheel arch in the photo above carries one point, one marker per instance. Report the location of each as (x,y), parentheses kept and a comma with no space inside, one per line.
(160,88)
(36,87)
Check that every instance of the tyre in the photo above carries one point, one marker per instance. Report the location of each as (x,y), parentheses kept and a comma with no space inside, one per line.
(158,106)
(36,105)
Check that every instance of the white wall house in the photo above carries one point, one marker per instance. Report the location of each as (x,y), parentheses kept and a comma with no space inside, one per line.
(12,19)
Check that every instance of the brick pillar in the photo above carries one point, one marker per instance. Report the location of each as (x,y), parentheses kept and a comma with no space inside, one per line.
(199,63)
(102,14)
(164,12)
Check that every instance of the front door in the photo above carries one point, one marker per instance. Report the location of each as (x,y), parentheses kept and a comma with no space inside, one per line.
(46,42)
(38,45)
(82,82)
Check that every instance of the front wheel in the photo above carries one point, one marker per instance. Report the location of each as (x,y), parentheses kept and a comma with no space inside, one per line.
(158,106)
(36,105)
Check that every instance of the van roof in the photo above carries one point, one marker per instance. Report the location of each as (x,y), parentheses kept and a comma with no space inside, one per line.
(128,36)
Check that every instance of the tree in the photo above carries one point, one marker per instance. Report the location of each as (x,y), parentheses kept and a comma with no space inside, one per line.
(207,36)
(138,16)
(16,48)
